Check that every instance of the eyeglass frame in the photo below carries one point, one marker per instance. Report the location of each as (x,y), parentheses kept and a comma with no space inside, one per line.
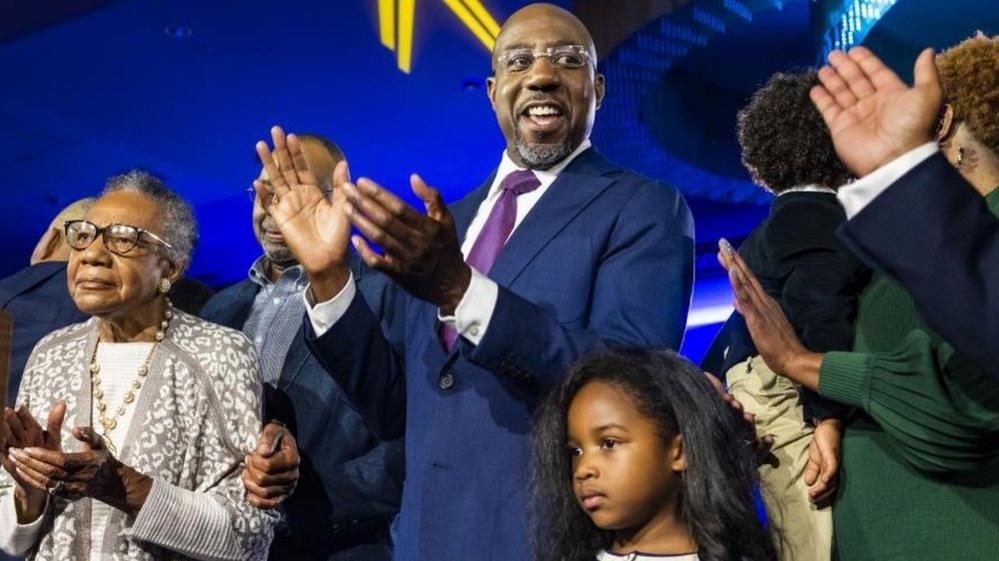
(545,52)
(99,231)
(252,193)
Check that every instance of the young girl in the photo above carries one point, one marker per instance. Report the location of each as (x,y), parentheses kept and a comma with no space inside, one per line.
(637,457)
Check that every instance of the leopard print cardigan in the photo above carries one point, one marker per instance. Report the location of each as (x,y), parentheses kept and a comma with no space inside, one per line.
(197,416)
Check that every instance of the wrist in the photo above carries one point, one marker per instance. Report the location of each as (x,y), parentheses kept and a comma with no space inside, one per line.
(137,487)
(29,503)
(327,283)
(452,297)
(906,146)
(803,367)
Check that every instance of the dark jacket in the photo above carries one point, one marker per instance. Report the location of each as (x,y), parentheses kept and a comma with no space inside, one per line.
(39,302)
(604,259)
(350,482)
(801,264)
(934,234)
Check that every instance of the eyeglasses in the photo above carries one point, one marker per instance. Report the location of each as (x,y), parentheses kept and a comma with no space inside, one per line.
(118,238)
(251,194)
(563,56)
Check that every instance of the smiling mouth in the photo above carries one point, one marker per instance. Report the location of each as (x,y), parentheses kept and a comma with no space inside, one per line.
(274,236)
(544,117)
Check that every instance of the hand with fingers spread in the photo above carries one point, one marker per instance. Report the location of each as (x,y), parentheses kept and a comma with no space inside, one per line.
(422,253)
(872,115)
(823,460)
(24,431)
(770,329)
(271,471)
(94,473)
(313,225)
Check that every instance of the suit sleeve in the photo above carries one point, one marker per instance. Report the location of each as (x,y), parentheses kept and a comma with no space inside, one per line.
(363,354)
(936,236)
(641,292)
(941,410)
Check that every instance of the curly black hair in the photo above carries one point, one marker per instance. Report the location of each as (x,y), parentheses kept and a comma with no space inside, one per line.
(716,497)
(784,141)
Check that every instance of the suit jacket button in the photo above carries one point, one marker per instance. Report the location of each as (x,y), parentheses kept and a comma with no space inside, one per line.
(446,381)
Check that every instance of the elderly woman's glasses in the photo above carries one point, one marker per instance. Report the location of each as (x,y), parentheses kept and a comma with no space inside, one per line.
(563,56)
(118,238)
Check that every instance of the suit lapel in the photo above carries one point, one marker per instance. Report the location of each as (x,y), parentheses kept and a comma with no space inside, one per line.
(575,187)
(294,361)
(235,316)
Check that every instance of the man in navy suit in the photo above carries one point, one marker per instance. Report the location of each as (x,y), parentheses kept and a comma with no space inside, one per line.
(559,253)
(37,296)
(912,214)
(349,483)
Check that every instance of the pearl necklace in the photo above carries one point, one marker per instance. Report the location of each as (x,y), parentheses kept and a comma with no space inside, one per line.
(109,423)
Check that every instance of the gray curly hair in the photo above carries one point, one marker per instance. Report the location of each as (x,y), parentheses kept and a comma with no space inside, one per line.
(179,226)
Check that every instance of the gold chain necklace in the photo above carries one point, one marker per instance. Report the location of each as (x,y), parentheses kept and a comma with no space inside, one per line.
(109,423)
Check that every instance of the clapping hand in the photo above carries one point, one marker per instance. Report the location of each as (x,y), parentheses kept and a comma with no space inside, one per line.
(94,472)
(872,115)
(313,225)
(21,430)
(422,253)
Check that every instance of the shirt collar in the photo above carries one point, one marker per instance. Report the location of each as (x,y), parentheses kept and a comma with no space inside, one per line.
(545,176)
(258,272)
(808,189)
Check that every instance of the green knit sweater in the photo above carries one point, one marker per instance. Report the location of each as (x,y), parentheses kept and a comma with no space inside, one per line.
(919,477)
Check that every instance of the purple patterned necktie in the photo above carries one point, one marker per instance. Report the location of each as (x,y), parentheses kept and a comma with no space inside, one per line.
(494,232)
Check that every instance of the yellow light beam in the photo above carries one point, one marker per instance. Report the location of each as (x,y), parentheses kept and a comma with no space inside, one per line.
(484,17)
(386,22)
(471,23)
(407,8)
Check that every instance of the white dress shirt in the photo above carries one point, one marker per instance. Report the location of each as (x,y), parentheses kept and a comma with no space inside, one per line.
(472,315)
(855,196)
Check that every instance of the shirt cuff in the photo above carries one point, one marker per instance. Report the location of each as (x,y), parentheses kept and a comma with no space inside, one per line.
(324,314)
(471,316)
(845,377)
(17,538)
(855,196)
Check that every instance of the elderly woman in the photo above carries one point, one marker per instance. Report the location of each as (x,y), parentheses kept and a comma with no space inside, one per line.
(921,457)
(149,411)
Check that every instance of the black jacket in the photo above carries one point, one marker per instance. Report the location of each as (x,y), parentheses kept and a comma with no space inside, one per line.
(801,264)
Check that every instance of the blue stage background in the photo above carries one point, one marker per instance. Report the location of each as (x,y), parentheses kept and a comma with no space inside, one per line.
(185,88)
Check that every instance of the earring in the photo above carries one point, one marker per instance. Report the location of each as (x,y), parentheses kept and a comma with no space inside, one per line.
(960,158)
(165,286)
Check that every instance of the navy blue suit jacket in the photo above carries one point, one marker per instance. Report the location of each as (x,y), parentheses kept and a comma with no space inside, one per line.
(350,482)
(604,259)
(934,234)
(39,301)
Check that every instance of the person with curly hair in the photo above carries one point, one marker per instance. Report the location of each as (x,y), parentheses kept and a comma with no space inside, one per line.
(795,252)
(921,455)
(636,459)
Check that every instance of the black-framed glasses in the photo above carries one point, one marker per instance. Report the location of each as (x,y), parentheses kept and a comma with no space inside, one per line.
(563,56)
(118,238)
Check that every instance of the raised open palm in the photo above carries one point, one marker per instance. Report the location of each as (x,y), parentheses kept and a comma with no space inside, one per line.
(872,115)
(313,225)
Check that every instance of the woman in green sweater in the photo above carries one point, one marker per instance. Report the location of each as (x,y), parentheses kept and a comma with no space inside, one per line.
(920,465)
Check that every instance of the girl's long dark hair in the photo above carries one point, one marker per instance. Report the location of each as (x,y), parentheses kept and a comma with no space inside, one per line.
(716,498)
